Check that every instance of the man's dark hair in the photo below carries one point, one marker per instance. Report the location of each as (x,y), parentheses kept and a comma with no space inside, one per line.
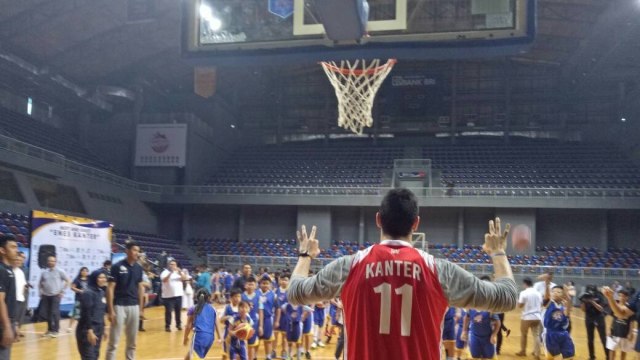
(528,282)
(235,291)
(6,238)
(130,244)
(251,279)
(485,278)
(106,263)
(398,211)
(624,292)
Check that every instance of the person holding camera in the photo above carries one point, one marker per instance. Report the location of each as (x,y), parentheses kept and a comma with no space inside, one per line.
(594,305)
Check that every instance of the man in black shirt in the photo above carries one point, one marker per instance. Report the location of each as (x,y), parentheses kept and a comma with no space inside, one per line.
(246,273)
(594,305)
(125,301)
(8,254)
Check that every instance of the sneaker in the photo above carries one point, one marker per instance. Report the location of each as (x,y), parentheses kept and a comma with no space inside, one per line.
(320,344)
(307,355)
(328,339)
(167,329)
(508,332)
(179,327)
(273,354)
(521,353)
(46,334)
(314,345)
(285,355)
(53,334)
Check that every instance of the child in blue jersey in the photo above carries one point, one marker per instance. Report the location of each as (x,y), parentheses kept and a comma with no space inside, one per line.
(251,297)
(331,326)
(281,323)
(449,332)
(460,344)
(481,331)
(230,311)
(265,314)
(557,340)
(307,335)
(237,346)
(202,319)
(318,324)
(296,316)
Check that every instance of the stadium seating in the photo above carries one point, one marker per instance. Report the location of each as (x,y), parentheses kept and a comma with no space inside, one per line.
(26,129)
(545,165)
(471,254)
(301,166)
(152,246)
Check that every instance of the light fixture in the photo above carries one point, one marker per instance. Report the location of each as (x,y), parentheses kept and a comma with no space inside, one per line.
(623,119)
(206,14)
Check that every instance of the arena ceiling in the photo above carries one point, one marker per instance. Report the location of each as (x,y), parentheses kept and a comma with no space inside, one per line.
(92,43)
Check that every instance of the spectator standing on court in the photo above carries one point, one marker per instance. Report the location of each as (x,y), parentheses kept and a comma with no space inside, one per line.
(414,287)
(172,292)
(204,279)
(594,305)
(125,301)
(8,254)
(93,307)
(242,279)
(530,301)
(22,289)
(52,284)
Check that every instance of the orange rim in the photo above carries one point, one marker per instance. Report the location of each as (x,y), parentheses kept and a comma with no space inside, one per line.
(359,72)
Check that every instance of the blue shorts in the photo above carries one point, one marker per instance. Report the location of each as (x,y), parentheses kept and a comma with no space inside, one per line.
(559,343)
(307,324)
(294,332)
(481,347)
(459,343)
(284,324)
(267,329)
(318,317)
(332,314)
(238,349)
(449,330)
(202,342)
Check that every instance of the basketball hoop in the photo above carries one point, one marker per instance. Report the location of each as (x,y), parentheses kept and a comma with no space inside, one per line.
(356,85)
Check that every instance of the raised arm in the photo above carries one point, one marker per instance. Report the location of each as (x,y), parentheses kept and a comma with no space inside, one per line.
(621,312)
(465,290)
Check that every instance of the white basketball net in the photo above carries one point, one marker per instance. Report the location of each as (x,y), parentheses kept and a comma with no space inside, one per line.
(356,85)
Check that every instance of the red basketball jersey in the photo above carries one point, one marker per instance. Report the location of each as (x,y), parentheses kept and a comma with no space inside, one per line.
(393,304)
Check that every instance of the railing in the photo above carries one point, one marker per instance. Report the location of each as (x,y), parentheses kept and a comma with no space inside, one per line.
(236,261)
(73,167)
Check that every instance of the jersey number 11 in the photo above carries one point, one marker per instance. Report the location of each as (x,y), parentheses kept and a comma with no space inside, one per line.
(406,291)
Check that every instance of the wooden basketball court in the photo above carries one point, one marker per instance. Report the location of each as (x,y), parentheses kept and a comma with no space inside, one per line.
(155,343)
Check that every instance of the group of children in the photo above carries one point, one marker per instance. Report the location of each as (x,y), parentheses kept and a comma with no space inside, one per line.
(478,330)
(297,328)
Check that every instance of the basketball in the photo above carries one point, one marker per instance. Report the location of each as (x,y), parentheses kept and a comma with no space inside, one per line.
(244,331)
(521,237)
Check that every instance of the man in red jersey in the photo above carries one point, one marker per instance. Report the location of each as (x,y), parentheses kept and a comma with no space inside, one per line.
(395,296)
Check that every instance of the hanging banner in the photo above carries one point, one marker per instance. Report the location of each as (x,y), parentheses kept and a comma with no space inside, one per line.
(74,241)
(161,145)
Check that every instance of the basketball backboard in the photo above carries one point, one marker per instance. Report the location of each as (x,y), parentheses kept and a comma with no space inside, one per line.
(289,30)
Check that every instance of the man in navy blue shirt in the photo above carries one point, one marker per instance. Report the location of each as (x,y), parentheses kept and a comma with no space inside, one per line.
(8,254)
(125,301)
